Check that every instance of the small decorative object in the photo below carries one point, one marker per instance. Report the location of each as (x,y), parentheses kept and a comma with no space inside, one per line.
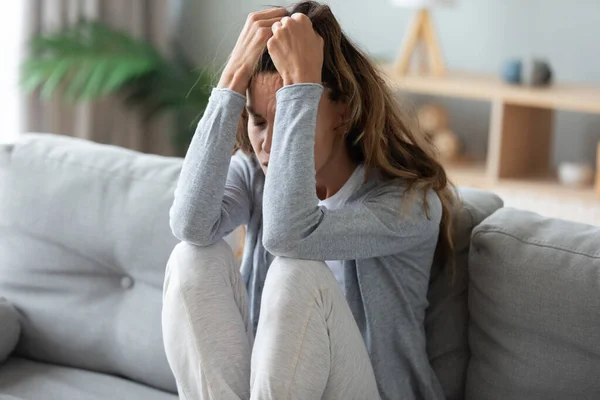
(575,174)
(531,72)
(448,145)
(512,71)
(536,72)
(421,34)
(433,120)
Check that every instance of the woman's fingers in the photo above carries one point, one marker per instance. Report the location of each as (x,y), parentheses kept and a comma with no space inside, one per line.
(250,44)
(296,50)
(268,22)
(265,29)
(300,17)
(285,21)
(266,14)
(276,26)
(273,12)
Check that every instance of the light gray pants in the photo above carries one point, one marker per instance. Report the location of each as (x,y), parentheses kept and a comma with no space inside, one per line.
(307,344)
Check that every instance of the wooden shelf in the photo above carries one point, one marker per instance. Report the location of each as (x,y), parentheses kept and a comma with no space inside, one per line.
(521,127)
(474,174)
(488,88)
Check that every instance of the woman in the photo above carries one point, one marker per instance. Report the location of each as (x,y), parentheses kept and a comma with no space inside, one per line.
(330,183)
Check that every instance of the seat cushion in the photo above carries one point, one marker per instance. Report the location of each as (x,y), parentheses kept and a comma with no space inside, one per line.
(84,240)
(534,301)
(34,380)
(10,329)
(447,316)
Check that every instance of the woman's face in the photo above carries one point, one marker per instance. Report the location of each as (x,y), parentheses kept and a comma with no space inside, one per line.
(261,116)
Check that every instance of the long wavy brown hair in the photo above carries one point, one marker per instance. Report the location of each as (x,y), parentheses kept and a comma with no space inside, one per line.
(378,135)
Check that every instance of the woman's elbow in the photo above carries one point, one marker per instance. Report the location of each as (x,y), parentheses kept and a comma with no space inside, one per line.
(284,236)
(278,242)
(186,232)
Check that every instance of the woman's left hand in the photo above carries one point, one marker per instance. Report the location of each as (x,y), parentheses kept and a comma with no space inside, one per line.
(296,50)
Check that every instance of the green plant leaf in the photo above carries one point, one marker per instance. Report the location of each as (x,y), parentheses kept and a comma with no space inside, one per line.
(35,73)
(123,72)
(55,78)
(98,60)
(91,60)
(93,86)
(32,81)
(78,81)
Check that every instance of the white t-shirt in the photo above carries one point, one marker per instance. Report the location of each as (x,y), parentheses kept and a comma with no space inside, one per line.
(337,201)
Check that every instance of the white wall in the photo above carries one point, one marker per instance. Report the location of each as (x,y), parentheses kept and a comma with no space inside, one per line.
(477,35)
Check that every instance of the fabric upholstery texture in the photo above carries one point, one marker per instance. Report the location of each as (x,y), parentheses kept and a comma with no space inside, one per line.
(534,302)
(32,380)
(10,328)
(9,397)
(446,321)
(84,240)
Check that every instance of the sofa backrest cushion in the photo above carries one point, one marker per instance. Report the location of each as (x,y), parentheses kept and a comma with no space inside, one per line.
(534,302)
(446,322)
(84,240)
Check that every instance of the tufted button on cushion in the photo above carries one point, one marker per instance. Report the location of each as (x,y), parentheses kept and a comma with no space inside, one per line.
(70,212)
(126,282)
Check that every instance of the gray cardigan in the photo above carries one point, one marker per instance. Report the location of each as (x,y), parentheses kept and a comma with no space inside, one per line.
(387,248)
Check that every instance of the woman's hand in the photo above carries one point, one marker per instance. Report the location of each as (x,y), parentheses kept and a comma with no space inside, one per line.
(296,50)
(249,47)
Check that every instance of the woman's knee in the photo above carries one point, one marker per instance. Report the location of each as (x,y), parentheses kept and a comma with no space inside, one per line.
(293,274)
(191,262)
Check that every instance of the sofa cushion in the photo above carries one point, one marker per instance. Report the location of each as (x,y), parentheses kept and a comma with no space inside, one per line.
(534,301)
(28,379)
(10,329)
(84,240)
(447,316)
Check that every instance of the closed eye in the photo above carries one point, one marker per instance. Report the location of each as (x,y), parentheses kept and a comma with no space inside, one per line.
(257,119)
(258,122)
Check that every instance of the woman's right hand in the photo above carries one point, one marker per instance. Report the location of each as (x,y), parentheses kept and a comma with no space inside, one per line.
(250,45)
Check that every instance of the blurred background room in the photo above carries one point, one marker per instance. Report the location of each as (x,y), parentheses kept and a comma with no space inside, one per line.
(100,99)
(509,91)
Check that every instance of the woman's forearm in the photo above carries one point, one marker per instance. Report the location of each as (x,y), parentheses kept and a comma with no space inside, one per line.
(290,201)
(195,216)
(296,226)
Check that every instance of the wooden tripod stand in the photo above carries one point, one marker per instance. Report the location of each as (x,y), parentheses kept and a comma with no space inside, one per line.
(421,33)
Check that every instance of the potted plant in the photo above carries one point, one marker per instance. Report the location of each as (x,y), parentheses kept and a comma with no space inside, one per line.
(91,60)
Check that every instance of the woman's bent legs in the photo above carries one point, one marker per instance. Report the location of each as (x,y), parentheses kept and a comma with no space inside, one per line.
(204,322)
(307,345)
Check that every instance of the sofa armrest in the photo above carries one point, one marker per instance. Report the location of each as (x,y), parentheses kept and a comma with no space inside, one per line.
(10,328)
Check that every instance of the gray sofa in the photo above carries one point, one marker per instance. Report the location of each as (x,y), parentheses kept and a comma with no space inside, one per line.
(84,238)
